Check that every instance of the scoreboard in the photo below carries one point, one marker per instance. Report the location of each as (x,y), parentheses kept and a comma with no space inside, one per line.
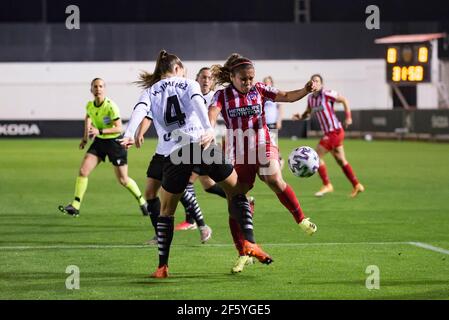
(408,63)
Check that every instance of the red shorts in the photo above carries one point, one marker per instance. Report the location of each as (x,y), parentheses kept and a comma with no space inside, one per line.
(247,172)
(333,139)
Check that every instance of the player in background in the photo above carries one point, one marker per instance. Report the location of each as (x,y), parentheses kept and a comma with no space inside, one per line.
(176,106)
(273,114)
(241,104)
(188,200)
(321,104)
(102,122)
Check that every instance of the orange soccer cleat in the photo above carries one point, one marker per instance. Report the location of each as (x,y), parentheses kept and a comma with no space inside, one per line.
(161,272)
(357,189)
(253,250)
(185,226)
(324,189)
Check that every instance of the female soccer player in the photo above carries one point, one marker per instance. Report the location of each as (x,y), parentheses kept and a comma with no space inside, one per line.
(176,106)
(192,210)
(248,142)
(103,123)
(321,103)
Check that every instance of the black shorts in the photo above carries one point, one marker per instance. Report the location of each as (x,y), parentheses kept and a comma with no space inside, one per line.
(175,177)
(155,167)
(101,148)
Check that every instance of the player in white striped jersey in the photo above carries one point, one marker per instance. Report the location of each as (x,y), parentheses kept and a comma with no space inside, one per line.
(188,200)
(321,104)
(178,111)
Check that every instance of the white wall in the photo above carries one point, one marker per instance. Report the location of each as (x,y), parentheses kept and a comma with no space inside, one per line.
(61,90)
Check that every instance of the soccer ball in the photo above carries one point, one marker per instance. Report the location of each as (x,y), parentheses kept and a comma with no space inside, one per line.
(303,162)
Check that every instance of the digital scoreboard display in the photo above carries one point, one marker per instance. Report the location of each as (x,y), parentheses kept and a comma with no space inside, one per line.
(408,63)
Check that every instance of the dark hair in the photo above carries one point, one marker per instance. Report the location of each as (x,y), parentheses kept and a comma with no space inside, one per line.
(199,72)
(233,64)
(317,75)
(165,63)
(95,79)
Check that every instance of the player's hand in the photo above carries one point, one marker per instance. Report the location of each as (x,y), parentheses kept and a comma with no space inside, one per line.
(279,125)
(348,122)
(126,142)
(93,132)
(207,138)
(296,116)
(139,141)
(310,86)
(83,144)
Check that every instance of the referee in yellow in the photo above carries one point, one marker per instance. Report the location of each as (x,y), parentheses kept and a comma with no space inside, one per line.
(103,123)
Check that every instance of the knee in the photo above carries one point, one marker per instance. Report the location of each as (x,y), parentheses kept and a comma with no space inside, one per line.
(83,172)
(276,184)
(123,181)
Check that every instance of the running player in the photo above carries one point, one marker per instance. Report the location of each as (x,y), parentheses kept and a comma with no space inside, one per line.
(102,122)
(248,142)
(177,108)
(321,103)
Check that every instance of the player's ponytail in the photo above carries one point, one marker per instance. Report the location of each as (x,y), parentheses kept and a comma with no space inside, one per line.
(233,64)
(165,63)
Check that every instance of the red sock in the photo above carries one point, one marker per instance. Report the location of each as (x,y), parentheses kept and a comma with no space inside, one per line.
(322,170)
(289,200)
(347,169)
(237,235)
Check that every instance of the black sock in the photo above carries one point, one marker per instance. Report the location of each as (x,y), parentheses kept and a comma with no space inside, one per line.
(190,188)
(241,211)
(164,238)
(154,208)
(216,189)
(192,208)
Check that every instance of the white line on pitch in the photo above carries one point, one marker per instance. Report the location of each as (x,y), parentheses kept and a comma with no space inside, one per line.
(186,245)
(429,247)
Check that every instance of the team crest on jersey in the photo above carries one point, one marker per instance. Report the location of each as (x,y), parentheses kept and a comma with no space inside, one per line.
(106,120)
(245,111)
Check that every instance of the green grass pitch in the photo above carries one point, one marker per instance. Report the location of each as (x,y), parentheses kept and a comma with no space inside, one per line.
(406,200)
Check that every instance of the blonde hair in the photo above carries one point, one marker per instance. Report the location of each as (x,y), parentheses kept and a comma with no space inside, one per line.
(233,64)
(165,63)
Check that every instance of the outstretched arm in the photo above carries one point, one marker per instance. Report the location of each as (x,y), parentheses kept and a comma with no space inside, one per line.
(295,95)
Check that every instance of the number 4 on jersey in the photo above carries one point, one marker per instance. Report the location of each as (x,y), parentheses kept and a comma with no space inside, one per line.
(179,116)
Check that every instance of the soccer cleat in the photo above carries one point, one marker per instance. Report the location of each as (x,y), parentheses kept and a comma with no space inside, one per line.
(152,241)
(357,189)
(205,233)
(241,262)
(324,189)
(253,250)
(144,210)
(185,226)
(308,226)
(161,272)
(70,210)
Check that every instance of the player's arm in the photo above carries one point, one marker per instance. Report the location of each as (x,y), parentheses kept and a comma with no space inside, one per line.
(117,128)
(348,116)
(87,125)
(143,128)
(295,95)
(213,113)
(304,116)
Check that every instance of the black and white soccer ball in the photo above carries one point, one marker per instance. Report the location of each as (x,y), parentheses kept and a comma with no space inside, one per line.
(303,162)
